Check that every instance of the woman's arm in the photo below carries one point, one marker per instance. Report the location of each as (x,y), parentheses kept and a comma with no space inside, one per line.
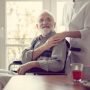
(73,34)
(63,35)
(47,45)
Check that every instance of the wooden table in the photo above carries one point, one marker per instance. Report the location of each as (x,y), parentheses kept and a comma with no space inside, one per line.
(35,82)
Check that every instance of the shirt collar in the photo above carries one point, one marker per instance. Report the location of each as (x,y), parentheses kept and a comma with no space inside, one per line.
(47,36)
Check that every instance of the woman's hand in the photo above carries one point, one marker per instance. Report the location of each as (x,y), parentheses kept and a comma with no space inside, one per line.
(60,36)
(54,40)
(51,42)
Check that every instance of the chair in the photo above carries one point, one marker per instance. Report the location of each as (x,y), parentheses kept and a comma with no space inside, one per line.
(13,66)
(43,72)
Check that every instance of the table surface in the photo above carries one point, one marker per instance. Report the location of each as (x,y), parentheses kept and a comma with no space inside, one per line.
(36,82)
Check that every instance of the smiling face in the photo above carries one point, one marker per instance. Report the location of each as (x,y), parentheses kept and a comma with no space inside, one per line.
(46,23)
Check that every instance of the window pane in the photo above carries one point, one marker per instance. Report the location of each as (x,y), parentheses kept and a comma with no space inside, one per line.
(21,17)
(14,52)
(20,41)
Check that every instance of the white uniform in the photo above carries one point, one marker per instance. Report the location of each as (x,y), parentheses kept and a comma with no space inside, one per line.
(81,21)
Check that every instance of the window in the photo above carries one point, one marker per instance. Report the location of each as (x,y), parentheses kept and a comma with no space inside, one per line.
(20,26)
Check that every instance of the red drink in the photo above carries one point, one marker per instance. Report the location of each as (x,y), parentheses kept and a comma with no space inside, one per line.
(77,74)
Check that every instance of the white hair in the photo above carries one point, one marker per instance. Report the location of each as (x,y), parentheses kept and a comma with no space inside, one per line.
(47,12)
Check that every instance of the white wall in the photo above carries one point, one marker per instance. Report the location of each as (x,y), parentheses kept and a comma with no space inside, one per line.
(2,34)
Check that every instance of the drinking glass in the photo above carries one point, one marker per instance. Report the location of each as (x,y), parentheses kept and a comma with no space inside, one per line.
(77,71)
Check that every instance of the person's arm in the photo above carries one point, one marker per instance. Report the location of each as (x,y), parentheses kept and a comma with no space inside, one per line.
(55,63)
(38,51)
(27,66)
(57,60)
(31,53)
(63,35)
(72,34)
(26,59)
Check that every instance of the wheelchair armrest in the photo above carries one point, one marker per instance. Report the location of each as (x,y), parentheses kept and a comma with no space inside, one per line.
(17,62)
(39,71)
(75,49)
(14,63)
